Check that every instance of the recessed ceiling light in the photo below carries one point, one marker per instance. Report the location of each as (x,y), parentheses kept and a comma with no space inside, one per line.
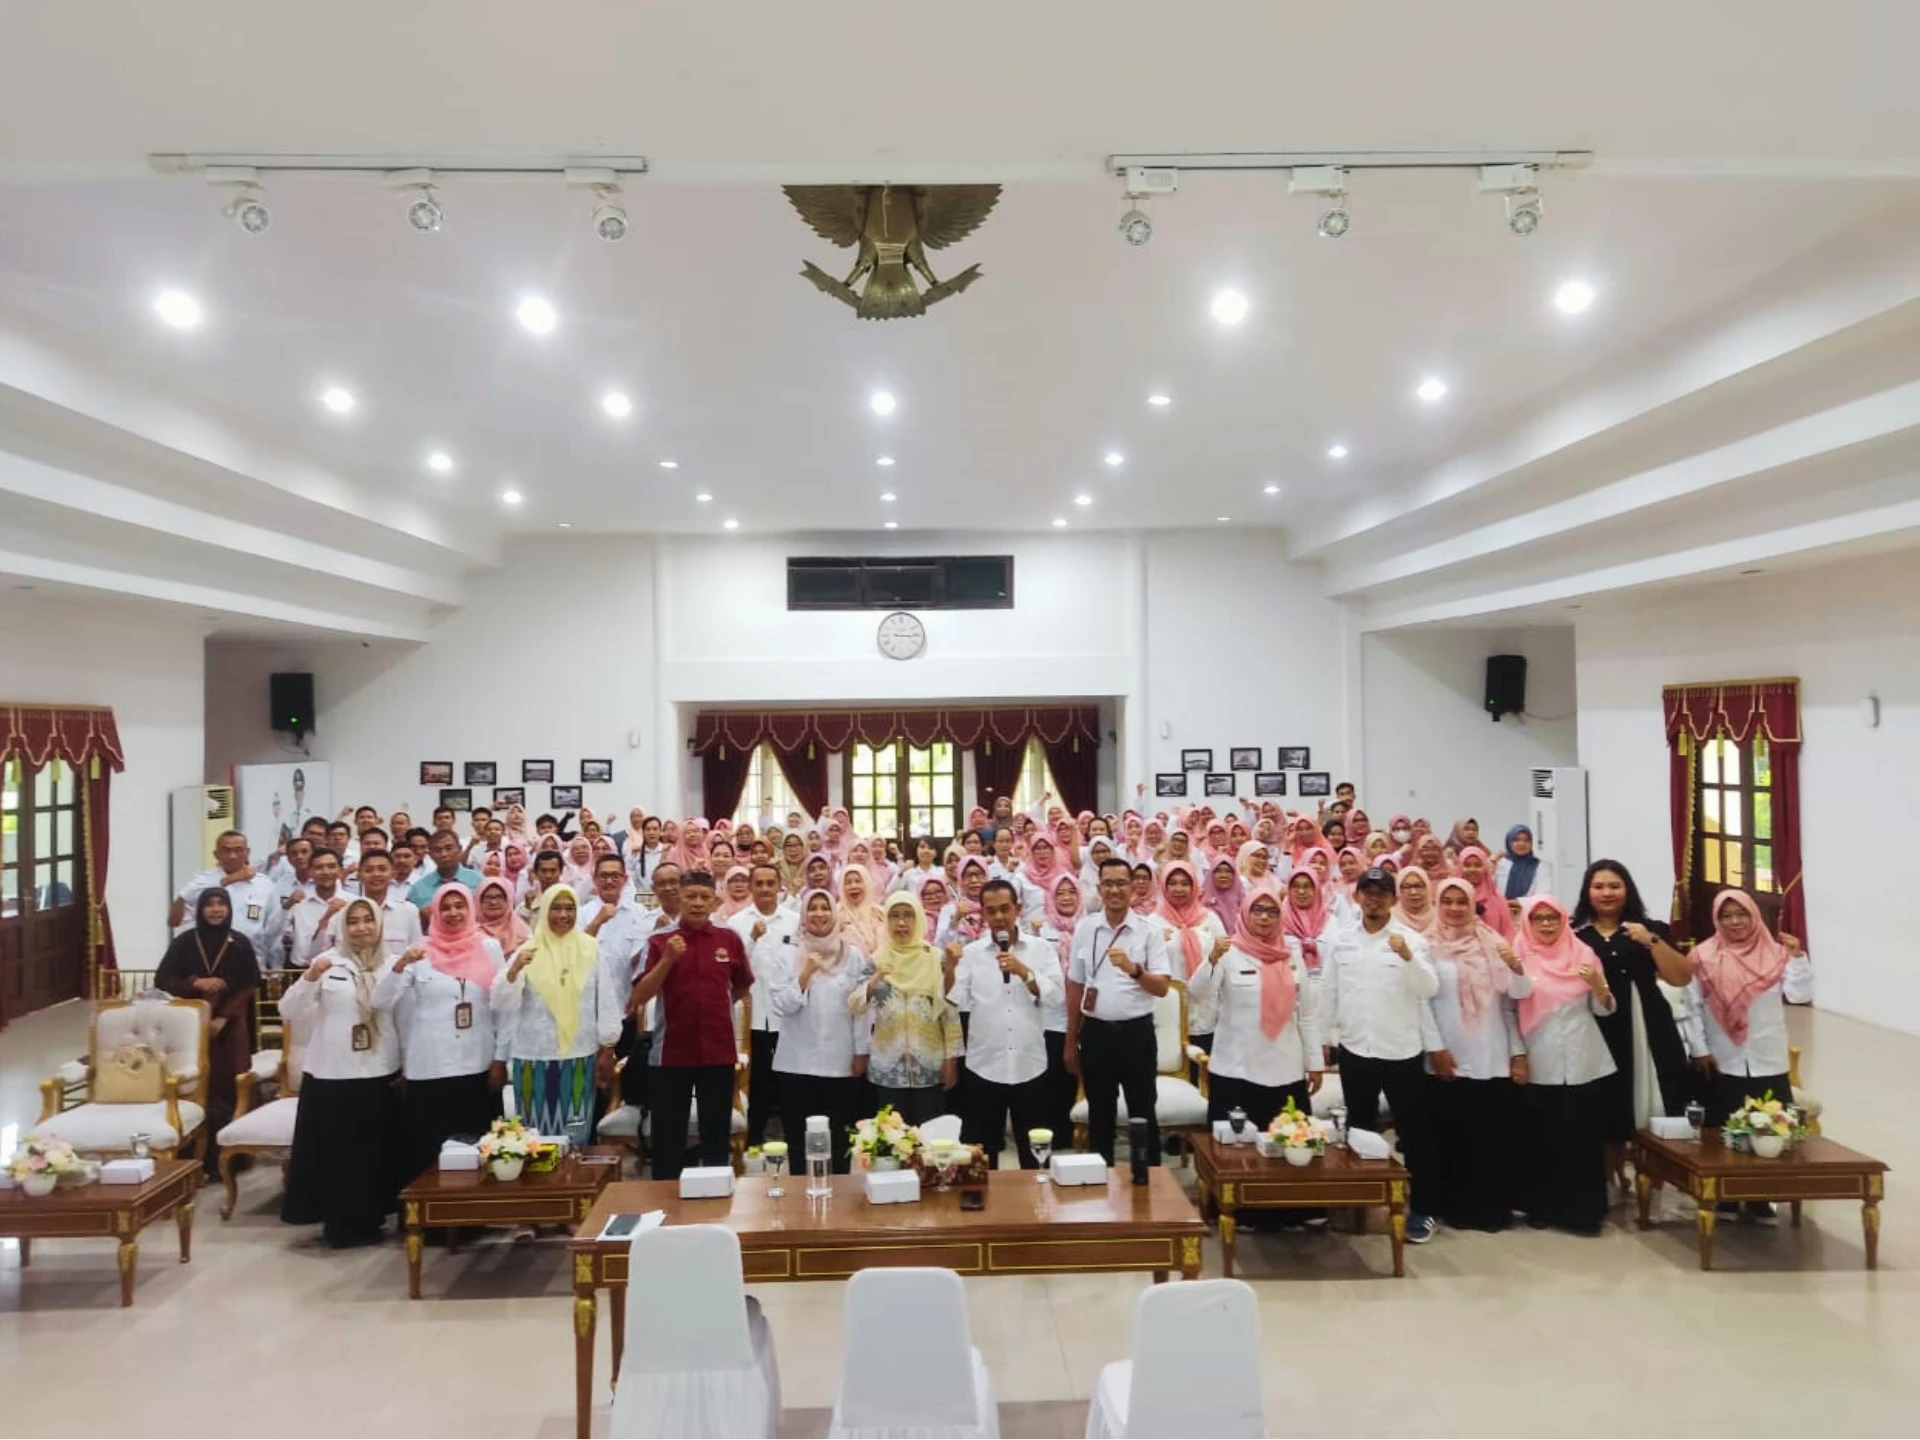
(1573,297)
(669,464)
(616,404)
(177,308)
(1431,389)
(566,524)
(1059,522)
(1223,519)
(886,497)
(890,525)
(337,400)
(1336,451)
(1271,490)
(729,524)
(884,460)
(1229,307)
(1115,458)
(440,463)
(704,498)
(537,315)
(881,402)
(1083,499)
(511,497)
(1159,400)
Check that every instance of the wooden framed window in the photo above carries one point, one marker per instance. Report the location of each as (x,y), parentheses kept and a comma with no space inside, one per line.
(765,792)
(899,791)
(1733,827)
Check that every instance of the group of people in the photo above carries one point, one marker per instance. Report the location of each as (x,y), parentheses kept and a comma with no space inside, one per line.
(997,976)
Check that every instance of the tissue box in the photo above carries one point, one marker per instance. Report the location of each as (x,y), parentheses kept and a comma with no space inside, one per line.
(559,1142)
(458,1155)
(892,1187)
(706,1182)
(1671,1127)
(127,1172)
(1078,1170)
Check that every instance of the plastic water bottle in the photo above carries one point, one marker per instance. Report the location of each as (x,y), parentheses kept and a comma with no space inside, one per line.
(819,1157)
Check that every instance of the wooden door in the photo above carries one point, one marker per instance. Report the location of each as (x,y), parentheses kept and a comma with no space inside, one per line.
(43,909)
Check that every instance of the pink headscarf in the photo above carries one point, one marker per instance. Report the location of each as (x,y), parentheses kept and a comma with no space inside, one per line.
(1733,977)
(1486,896)
(1042,873)
(1303,835)
(1554,969)
(511,932)
(1474,949)
(461,953)
(1186,919)
(1278,987)
(866,922)
(728,907)
(1224,903)
(969,920)
(932,912)
(1424,920)
(1245,854)
(577,875)
(1063,921)
(1306,924)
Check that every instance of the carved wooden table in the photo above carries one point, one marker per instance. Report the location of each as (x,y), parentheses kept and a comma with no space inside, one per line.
(117,1211)
(561,1196)
(1239,1177)
(1026,1228)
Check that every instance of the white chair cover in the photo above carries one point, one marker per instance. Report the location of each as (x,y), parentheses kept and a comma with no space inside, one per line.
(1195,1367)
(941,1127)
(698,1358)
(910,1369)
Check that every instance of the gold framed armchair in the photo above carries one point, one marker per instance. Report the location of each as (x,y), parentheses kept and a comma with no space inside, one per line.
(174,1030)
(623,1124)
(261,1130)
(1180,1106)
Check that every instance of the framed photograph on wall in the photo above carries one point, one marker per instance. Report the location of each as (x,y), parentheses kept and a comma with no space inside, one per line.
(536,772)
(1316,782)
(1292,757)
(1171,787)
(1196,759)
(461,800)
(564,797)
(1270,782)
(1244,757)
(596,772)
(505,795)
(481,772)
(1219,785)
(435,773)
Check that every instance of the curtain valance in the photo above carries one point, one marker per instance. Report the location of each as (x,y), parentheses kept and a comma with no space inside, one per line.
(796,731)
(74,733)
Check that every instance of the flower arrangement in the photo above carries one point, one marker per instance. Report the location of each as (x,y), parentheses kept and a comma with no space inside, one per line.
(1295,1130)
(42,1163)
(885,1141)
(508,1145)
(1765,1126)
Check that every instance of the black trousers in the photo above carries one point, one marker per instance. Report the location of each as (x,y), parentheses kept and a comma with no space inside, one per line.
(1261,1102)
(836,1097)
(675,1089)
(1117,1057)
(763,1085)
(1476,1182)
(915,1106)
(633,1046)
(1725,1093)
(1362,1079)
(1063,1088)
(988,1106)
(1565,1152)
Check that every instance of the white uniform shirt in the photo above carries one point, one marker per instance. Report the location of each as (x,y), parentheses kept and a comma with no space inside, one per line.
(426,1008)
(328,1011)
(1006,1031)
(1567,1048)
(528,1024)
(642,861)
(1054,1012)
(781,926)
(1765,1052)
(1118,996)
(1202,1007)
(1241,1049)
(1372,1001)
(399,925)
(1484,1051)
(305,919)
(256,910)
(818,1034)
(622,939)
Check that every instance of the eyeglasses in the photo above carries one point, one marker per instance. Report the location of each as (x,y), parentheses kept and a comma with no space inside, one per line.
(1267,912)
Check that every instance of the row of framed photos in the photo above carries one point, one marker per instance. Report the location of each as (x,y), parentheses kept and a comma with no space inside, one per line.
(1173,786)
(559,797)
(439,773)
(1247,757)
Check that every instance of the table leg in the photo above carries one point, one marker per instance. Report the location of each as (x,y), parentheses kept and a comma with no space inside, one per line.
(617,1318)
(183,1219)
(129,1259)
(1796,1214)
(1870,1226)
(1397,1221)
(1643,1192)
(227,1183)
(1703,1218)
(1227,1228)
(26,1251)
(1160,1277)
(584,1309)
(416,1244)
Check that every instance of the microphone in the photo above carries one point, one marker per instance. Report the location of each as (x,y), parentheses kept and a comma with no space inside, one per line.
(1004,939)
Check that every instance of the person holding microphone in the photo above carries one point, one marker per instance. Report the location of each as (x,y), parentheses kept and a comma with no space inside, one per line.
(1008,981)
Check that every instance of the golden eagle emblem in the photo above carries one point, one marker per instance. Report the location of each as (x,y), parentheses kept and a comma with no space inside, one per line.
(893,226)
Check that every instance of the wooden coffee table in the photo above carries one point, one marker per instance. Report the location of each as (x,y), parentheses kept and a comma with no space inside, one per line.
(561,1196)
(120,1211)
(1239,1177)
(1814,1169)
(1026,1228)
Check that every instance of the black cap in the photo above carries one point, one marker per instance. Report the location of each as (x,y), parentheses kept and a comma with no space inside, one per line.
(1375,879)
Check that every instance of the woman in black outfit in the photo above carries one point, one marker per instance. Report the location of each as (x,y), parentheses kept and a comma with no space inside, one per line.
(1611,918)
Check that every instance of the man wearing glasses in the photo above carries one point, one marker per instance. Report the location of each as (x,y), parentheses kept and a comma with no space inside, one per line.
(1117,969)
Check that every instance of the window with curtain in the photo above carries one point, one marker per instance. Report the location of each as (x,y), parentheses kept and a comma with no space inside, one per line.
(899,790)
(1036,779)
(766,792)
(1733,826)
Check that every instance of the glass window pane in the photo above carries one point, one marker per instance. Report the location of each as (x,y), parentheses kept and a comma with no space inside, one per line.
(1736,864)
(1729,763)
(1762,760)
(1730,814)
(943,790)
(43,833)
(9,839)
(1710,811)
(918,759)
(63,882)
(42,882)
(943,755)
(862,791)
(1763,868)
(43,785)
(919,790)
(1762,815)
(1710,763)
(862,760)
(923,822)
(886,789)
(9,891)
(63,832)
(1710,854)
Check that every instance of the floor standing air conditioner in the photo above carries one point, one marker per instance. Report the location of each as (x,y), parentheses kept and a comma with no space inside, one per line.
(1560,825)
(200,814)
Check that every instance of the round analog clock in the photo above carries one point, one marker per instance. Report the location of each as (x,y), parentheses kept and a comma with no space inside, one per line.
(902,636)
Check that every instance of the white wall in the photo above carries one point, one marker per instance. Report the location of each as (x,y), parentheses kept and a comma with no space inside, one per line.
(146,663)
(1431,748)
(1846,631)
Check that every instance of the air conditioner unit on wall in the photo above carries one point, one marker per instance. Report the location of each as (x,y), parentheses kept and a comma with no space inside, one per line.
(1559,811)
(200,813)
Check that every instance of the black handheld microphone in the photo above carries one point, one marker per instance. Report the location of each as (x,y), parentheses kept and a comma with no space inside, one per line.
(1004,939)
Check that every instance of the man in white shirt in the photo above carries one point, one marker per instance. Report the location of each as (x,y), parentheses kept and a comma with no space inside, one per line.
(616,921)
(1004,981)
(1118,968)
(256,899)
(1375,981)
(762,924)
(289,872)
(323,900)
(399,921)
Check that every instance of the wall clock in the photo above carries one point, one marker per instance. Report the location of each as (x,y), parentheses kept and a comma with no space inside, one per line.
(902,636)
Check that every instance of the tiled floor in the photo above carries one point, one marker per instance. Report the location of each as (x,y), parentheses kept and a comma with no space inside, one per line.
(266,1333)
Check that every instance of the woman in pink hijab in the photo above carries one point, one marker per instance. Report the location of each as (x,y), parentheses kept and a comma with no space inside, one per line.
(1305,914)
(1040,871)
(1739,1030)
(1254,862)
(1223,893)
(1193,934)
(862,920)
(576,865)
(1431,856)
(1302,836)
(1476,868)
(736,894)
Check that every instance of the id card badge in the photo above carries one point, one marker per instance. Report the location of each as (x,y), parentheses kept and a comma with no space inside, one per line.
(253,914)
(1089,998)
(463,1015)
(362,1037)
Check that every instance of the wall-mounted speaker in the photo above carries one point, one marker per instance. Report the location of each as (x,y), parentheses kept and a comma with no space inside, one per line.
(290,696)
(1506,685)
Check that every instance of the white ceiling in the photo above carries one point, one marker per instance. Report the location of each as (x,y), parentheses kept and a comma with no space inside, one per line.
(1752,164)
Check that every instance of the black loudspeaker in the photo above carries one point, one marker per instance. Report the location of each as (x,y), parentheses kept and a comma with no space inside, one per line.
(1506,685)
(290,696)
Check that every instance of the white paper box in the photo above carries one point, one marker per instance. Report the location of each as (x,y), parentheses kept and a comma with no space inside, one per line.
(1078,1170)
(6,1181)
(892,1187)
(705,1182)
(1671,1127)
(127,1172)
(457,1155)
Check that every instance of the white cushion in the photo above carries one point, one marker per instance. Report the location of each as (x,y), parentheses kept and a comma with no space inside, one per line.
(1176,1102)
(267,1125)
(621,1124)
(1168,1058)
(92,1128)
(266,1064)
(73,1072)
(1329,1095)
(1808,1102)
(739,1126)
(172,1030)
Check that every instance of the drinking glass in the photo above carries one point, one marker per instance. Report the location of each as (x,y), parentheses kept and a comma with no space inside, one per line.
(1338,1114)
(775,1154)
(1696,1116)
(1041,1143)
(1237,1118)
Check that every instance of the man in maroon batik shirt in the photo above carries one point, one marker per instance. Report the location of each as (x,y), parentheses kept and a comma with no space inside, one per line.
(698,971)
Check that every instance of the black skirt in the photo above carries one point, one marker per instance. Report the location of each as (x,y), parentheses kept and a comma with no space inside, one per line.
(1476,1128)
(1564,1154)
(341,1174)
(436,1110)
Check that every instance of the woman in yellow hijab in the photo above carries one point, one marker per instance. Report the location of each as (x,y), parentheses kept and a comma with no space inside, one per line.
(915,1046)
(561,1010)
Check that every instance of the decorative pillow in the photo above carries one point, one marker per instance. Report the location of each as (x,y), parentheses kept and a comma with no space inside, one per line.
(132,1074)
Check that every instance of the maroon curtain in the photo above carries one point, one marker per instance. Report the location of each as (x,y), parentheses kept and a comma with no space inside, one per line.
(1680,772)
(1075,764)
(996,770)
(806,770)
(836,729)
(723,777)
(94,828)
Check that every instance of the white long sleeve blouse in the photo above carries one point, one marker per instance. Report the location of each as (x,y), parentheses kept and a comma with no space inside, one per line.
(1241,1049)
(426,1005)
(327,1012)
(531,1033)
